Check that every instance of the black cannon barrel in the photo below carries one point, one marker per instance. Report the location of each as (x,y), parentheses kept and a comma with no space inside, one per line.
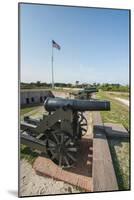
(52,104)
(90,90)
(87,91)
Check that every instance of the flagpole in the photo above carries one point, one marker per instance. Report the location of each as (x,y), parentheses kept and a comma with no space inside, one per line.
(52,70)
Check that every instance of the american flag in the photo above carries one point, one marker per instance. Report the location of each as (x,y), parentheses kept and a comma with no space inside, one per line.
(54,44)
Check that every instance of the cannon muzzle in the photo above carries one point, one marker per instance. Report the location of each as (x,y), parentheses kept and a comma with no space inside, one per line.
(52,104)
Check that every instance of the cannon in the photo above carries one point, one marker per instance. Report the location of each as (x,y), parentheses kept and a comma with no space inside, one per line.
(58,133)
(92,89)
(86,93)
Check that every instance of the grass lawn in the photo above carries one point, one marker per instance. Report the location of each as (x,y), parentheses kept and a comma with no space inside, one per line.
(120,155)
(23,111)
(119,112)
(26,152)
(119,148)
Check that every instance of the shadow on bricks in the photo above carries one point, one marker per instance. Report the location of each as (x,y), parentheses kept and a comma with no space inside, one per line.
(83,165)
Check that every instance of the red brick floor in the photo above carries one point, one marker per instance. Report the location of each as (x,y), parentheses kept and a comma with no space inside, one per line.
(80,175)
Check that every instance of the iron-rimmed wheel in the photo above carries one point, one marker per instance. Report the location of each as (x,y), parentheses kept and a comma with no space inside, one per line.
(83,123)
(61,148)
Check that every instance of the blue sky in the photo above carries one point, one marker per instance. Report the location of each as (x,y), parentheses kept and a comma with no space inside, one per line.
(94,44)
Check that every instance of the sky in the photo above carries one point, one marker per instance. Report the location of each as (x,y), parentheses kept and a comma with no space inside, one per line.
(94,44)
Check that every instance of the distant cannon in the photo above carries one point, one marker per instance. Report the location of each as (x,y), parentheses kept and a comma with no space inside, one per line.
(91,89)
(86,93)
(57,134)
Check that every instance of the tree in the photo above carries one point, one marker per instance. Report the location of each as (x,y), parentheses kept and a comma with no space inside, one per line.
(38,83)
(76,83)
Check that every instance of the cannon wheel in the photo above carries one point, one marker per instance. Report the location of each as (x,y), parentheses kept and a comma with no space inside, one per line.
(83,123)
(61,148)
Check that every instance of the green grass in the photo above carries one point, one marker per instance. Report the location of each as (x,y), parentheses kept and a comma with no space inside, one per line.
(119,112)
(23,111)
(119,148)
(27,154)
(120,155)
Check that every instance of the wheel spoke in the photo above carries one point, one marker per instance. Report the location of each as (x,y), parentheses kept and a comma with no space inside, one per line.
(84,124)
(68,142)
(71,156)
(62,138)
(52,152)
(51,142)
(83,129)
(66,160)
(55,137)
(73,149)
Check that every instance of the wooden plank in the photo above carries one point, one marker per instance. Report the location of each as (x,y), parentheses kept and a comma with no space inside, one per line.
(115,130)
(104,178)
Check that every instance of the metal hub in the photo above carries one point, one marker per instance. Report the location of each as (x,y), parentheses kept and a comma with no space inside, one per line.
(61,148)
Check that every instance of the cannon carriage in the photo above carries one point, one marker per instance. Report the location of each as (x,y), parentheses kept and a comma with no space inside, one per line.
(58,133)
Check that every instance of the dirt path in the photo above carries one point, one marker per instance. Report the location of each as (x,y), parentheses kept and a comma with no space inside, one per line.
(124,101)
(61,94)
(33,184)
